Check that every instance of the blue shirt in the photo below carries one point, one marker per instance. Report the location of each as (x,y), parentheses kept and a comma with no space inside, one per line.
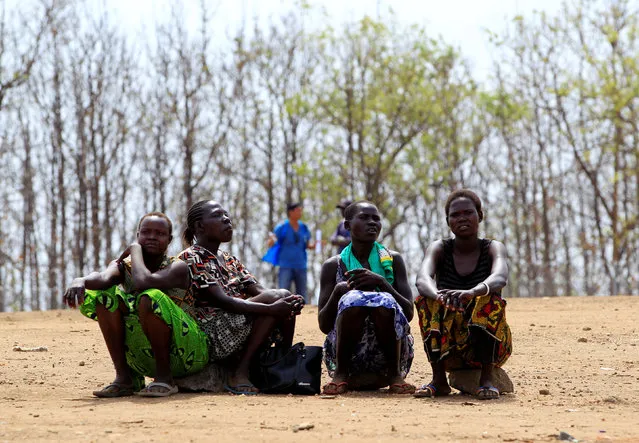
(292,252)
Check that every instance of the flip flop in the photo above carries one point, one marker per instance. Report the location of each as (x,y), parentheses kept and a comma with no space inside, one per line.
(428,391)
(146,392)
(114,390)
(241,389)
(401,388)
(487,393)
(333,388)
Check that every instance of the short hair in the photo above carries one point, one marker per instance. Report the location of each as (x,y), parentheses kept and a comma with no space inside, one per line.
(463,193)
(292,206)
(193,216)
(351,209)
(160,215)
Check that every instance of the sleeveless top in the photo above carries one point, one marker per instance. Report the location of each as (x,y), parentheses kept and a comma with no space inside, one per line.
(446,275)
(340,277)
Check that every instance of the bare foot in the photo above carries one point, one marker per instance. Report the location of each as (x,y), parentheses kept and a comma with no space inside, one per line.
(240,384)
(432,389)
(487,392)
(398,385)
(335,387)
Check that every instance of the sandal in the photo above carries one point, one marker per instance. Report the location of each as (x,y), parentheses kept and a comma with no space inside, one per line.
(401,388)
(115,390)
(487,393)
(242,389)
(146,392)
(333,388)
(430,390)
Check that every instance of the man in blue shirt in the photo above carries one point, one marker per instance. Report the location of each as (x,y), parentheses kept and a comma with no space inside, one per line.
(294,238)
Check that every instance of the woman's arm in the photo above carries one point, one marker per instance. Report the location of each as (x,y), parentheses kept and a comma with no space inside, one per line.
(74,295)
(425,282)
(403,294)
(498,277)
(176,275)
(329,296)
(262,293)
(458,299)
(276,306)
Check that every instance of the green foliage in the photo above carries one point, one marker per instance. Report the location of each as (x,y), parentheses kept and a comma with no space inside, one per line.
(398,103)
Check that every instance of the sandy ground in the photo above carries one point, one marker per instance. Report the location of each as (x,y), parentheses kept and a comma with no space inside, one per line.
(583,351)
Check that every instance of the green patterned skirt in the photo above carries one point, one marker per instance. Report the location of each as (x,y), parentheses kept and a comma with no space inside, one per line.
(189,345)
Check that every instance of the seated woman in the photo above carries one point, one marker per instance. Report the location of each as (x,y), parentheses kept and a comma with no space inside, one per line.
(237,314)
(365,305)
(461,313)
(146,332)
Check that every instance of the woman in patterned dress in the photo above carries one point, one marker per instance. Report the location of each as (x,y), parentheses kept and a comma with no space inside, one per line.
(238,315)
(461,313)
(365,306)
(146,332)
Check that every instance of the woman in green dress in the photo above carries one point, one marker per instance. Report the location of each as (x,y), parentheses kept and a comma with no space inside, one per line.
(146,331)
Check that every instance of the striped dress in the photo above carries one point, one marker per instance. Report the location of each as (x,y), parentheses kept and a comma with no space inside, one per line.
(448,335)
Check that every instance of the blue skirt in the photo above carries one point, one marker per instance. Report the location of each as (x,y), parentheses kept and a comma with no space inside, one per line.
(368,357)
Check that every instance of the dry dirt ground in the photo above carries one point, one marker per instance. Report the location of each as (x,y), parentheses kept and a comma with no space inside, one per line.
(583,353)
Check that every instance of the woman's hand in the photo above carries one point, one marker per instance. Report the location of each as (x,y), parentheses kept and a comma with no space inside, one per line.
(298,304)
(287,307)
(455,299)
(74,295)
(364,279)
(342,288)
(127,252)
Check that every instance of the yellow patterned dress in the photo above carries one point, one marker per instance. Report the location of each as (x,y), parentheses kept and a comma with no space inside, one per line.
(450,336)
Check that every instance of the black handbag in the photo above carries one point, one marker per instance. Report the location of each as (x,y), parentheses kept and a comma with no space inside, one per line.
(297,370)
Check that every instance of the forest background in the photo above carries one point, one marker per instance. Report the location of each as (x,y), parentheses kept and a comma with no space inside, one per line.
(98,128)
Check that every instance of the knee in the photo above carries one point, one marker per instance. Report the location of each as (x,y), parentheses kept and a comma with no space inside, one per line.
(382,315)
(145,305)
(102,309)
(353,313)
(351,318)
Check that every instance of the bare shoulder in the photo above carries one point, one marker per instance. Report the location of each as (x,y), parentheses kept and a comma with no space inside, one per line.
(396,255)
(178,264)
(331,263)
(497,247)
(176,268)
(435,250)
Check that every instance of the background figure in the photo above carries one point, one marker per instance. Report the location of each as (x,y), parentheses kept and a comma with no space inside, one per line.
(342,236)
(293,237)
